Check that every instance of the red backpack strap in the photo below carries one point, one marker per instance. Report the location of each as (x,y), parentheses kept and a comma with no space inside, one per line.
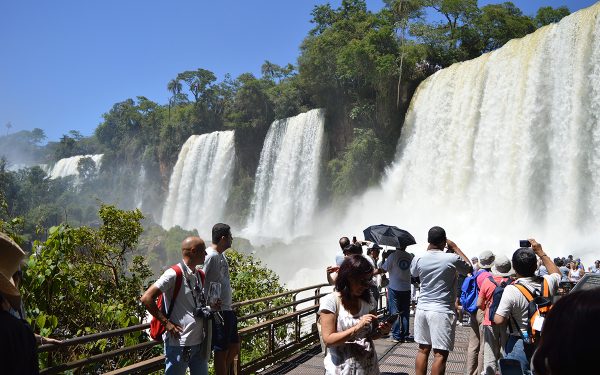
(202,276)
(178,282)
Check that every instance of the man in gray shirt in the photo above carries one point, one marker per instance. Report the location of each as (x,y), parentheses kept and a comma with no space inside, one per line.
(435,318)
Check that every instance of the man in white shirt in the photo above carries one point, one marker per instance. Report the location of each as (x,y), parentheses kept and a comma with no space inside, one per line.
(184,328)
(225,339)
(514,307)
(397,265)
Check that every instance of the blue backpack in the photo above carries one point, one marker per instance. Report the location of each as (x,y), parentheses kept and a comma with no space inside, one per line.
(469,292)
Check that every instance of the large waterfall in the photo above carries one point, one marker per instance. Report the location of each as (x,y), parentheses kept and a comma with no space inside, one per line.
(200,182)
(285,190)
(68,166)
(503,147)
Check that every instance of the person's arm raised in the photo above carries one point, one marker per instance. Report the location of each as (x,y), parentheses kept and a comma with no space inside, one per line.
(546,261)
(454,248)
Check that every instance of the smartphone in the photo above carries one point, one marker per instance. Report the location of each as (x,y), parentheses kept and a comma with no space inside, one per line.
(354,239)
(389,318)
(510,367)
(524,243)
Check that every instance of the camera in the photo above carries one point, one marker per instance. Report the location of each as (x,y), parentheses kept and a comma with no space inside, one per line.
(524,243)
(203,312)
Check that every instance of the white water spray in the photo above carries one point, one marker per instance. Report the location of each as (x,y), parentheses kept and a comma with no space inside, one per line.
(200,182)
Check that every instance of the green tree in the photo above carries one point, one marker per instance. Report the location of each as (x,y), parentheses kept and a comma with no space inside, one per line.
(548,15)
(500,23)
(85,280)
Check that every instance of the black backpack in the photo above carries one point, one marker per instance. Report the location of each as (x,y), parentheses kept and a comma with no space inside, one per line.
(497,296)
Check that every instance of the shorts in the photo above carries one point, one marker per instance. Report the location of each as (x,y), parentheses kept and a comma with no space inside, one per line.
(435,328)
(225,334)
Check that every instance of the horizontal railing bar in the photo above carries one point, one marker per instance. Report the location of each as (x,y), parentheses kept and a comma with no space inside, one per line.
(262,299)
(250,316)
(275,320)
(98,357)
(92,337)
(152,363)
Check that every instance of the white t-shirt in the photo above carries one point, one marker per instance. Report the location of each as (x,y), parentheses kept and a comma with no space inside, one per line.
(338,359)
(184,307)
(397,264)
(216,269)
(514,303)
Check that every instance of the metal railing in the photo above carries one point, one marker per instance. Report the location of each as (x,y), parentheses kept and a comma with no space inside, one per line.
(284,327)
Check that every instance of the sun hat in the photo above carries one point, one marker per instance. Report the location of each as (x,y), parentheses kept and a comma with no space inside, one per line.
(10,260)
(502,266)
(486,259)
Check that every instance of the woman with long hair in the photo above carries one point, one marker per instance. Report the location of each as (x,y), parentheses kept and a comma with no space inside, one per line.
(348,321)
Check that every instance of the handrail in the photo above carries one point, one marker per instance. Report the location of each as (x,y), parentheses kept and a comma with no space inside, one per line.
(301,335)
(93,337)
(267,298)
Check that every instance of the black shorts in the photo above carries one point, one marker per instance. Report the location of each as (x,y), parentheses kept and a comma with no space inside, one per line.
(225,334)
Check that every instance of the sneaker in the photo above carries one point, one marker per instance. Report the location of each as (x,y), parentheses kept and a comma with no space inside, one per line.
(409,339)
(395,340)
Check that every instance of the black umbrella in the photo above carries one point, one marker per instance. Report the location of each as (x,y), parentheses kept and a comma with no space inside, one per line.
(388,235)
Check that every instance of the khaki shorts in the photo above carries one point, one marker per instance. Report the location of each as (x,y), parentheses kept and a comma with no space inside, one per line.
(435,329)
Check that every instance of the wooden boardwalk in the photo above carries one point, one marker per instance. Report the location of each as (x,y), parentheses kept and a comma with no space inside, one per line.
(394,358)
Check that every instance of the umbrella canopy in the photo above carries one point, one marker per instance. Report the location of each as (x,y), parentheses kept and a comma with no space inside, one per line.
(389,235)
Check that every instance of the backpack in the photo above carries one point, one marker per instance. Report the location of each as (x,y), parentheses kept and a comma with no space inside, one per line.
(497,296)
(338,301)
(469,292)
(539,306)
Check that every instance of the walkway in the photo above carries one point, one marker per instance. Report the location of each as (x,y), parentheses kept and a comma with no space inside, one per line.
(394,358)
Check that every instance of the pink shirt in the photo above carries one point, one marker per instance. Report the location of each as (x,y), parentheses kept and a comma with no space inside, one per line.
(486,291)
(482,276)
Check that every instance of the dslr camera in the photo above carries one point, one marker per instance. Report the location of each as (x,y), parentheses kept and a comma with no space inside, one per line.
(203,312)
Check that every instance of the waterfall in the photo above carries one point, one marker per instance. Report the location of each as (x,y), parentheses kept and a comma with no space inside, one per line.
(287,178)
(505,146)
(68,166)
(140,188)
(200,183)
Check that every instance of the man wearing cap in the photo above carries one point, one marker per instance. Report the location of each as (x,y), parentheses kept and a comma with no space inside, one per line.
(513,307)
(493,336)
(18,353)
(435,318)
(475,348)
(397,265)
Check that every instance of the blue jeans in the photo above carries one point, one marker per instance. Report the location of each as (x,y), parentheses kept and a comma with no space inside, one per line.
(516,349)
(175,363)
(399,303)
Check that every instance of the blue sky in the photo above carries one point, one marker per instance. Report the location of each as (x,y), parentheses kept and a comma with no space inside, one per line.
(66,62)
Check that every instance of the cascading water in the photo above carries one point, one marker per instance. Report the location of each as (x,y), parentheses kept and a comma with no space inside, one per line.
(200,183)
(68,166)
(285,190)
(504,146)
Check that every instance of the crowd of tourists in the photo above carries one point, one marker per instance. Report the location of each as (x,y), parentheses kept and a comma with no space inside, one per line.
(505,303)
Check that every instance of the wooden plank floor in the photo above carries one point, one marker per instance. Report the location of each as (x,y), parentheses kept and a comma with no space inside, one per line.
(394,358)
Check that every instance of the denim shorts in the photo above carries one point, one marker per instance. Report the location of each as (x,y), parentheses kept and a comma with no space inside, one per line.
(225,334)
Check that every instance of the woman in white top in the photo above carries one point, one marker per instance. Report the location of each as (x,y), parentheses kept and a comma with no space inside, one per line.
(574,272)
(348,321)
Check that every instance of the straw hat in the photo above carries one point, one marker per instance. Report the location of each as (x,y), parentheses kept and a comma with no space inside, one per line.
(10,260)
